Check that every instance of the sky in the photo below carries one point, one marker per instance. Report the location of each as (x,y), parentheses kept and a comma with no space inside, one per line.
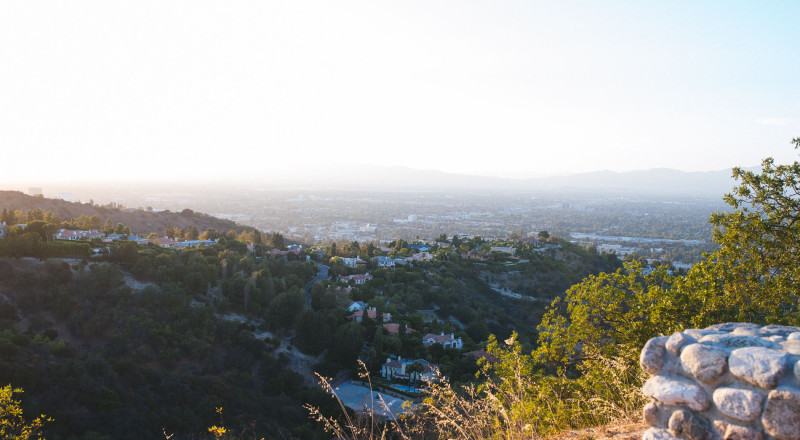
(200,90)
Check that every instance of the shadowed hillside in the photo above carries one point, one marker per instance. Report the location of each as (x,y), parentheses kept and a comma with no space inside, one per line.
(140,222)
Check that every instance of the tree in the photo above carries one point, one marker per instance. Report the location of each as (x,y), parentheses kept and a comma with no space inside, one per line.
(543,235)
(13,425)
(754,276)
(191,233)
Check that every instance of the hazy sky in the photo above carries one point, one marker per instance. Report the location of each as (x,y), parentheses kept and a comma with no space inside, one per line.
(197,89)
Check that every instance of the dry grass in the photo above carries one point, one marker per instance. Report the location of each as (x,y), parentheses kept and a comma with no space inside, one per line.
(513,403)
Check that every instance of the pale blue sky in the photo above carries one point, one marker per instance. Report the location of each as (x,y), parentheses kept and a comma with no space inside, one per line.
(101,89)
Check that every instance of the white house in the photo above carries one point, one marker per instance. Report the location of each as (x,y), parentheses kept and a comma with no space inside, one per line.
(356,306)
(352,262)
(399,369)
(357,278)
(447,341)
(382,261)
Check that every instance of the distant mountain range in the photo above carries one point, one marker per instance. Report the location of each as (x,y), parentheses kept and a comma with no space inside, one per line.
(658,181)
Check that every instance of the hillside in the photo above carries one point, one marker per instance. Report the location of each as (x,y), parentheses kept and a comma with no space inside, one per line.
(140,222)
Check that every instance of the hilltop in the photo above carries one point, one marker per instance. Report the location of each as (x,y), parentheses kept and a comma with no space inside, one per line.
(140,221)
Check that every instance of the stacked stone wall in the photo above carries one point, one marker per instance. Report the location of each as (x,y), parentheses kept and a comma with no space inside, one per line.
(732,381)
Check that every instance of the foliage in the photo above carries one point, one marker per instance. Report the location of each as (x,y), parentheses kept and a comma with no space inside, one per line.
(13,425)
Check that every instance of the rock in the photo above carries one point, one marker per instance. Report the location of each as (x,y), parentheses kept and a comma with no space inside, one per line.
(781,417)
(731,326)
(650,414)
(658,434)
(684,423)
(791,347)
(652,357)
(757,365)
(781,329)
(736,432)
(746,331)
(677,341)
(797,370)
(739,404)
(720,426)
(676,392)
(793,336)
(705,362)
(699,333)
(737,341)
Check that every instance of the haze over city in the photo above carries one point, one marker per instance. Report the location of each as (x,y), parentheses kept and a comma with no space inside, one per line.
(206,91)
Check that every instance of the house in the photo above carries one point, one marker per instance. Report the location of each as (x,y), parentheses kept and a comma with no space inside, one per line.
(504,249)
(399,368)
(447,341)
(69,234)
(356,306)
(422,247)
(357,278)
(353,262)
(382,261)
(2,229)
(472,255)
(395,329)
(372,314)
(164,242)
(193,243)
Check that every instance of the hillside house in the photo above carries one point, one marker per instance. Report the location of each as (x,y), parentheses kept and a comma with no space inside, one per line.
(72,235)
(395,329)
(352,262)
(371,313)
(387,262)
(399,368)
(504,249)
(164,242)
(357,306)
(357,278)
(447,341)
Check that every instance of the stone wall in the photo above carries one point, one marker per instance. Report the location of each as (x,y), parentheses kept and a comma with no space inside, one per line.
(732,381)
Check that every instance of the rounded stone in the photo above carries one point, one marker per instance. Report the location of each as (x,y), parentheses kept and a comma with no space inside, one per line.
(650,414)
(793,336)
(658,434)
(685,424)
(736,432)
(758,366)
(738,341)
(739,404)
(652,357)
(676,392)
(705,362)
(783,329)
(731,326)
(677,341)
(780,417)
(791,347)
(797,370)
